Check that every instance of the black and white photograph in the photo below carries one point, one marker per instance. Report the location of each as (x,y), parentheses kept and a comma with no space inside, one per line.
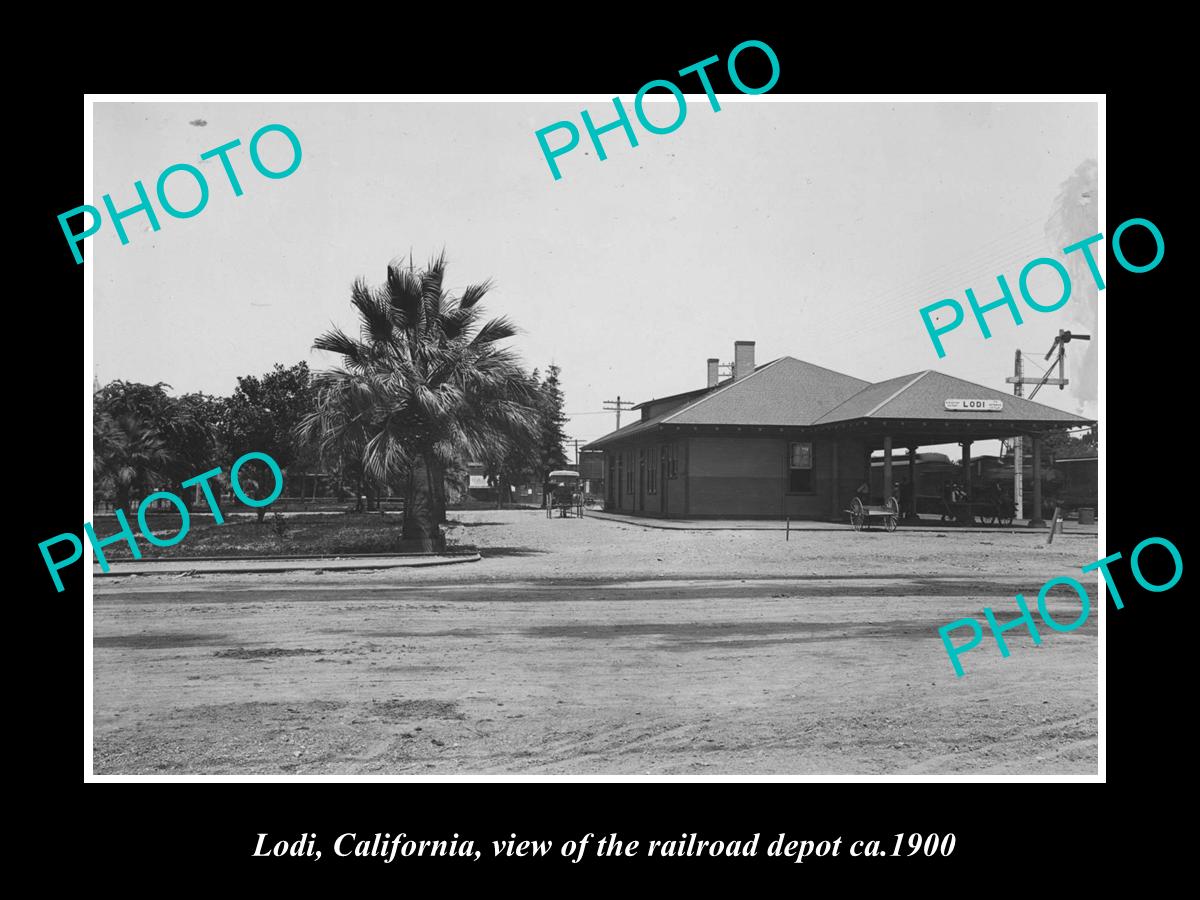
(503,436)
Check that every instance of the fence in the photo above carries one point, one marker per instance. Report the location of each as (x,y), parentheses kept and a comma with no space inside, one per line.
(104,506)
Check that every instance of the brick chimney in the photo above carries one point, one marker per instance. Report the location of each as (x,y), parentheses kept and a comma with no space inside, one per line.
(743,359)
(713,372)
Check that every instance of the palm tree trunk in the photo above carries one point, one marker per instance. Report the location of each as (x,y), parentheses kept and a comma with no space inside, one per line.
(409,504)
(437,473)
(133,498)
(419,526)
(437,506)
(123,501)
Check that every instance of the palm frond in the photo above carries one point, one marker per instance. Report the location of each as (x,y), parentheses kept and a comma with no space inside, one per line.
(457,322)
(474,293)
(403,290)
(375,324)
(354,353)
(494,330)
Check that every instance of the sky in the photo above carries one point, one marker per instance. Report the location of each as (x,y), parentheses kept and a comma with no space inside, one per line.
(817,230)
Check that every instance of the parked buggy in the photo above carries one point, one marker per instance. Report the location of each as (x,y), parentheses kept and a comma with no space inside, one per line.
(861,514)
(565,495)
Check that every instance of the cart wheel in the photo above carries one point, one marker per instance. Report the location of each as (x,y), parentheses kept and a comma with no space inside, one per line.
(894,505)
(856,521)
(889,522)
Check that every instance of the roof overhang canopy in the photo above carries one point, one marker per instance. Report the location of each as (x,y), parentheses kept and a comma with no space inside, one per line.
(923,432)
(788,396)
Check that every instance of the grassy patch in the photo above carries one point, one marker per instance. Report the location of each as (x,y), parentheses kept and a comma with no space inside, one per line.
(294,535)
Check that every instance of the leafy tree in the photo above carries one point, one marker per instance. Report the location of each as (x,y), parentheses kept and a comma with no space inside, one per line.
(1064,444)
(182,427)
(518,460)
(262,416)
(128,456)
(149,402)
(191,440)
(340,425)
(551,452)
(424,384)
(539,454)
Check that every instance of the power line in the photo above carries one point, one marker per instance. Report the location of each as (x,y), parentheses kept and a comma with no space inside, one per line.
(1060,343)
(966,260)
(906,303)
(618,405)
(1029,358)
(960,269)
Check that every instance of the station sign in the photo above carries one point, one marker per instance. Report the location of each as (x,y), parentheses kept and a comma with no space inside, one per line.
(975,405)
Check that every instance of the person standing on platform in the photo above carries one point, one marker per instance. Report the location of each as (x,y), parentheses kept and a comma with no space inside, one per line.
(864,493)
(907,510)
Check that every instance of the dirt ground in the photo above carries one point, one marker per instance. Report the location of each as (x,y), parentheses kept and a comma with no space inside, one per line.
(589,646)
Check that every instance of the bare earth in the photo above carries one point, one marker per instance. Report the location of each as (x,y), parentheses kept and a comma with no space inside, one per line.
(589,646)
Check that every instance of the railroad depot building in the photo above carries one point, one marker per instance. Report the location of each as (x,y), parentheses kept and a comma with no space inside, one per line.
(789,438)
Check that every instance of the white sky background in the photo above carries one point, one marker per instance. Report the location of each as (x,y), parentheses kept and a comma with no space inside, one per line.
(816,230)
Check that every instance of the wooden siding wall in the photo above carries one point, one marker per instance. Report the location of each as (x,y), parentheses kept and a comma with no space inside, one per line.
(739,476)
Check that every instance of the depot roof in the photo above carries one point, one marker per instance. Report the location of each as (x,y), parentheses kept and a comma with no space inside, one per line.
(791,393)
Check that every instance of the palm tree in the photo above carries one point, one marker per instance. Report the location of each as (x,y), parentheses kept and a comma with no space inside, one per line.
(424,384)
(341,425)
(129,456)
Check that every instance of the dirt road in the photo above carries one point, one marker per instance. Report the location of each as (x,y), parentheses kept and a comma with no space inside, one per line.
(677,653)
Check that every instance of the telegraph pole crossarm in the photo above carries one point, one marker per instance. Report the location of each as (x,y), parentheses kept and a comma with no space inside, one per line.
(618,405)
(1018,380)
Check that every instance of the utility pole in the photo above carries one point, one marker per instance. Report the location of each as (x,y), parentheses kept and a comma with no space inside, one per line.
(1018,381)
(1064,338)
(618,405)
(1018,450)
(568,441)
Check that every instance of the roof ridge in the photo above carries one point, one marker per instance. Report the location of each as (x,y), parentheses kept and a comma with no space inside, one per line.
(727,382)
(674,396)
(825,369)
(884,403)
(715,393)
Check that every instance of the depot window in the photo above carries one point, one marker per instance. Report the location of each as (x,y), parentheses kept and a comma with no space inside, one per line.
(800,468)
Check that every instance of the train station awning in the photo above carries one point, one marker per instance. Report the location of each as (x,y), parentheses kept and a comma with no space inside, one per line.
(932,407)
(788,395)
